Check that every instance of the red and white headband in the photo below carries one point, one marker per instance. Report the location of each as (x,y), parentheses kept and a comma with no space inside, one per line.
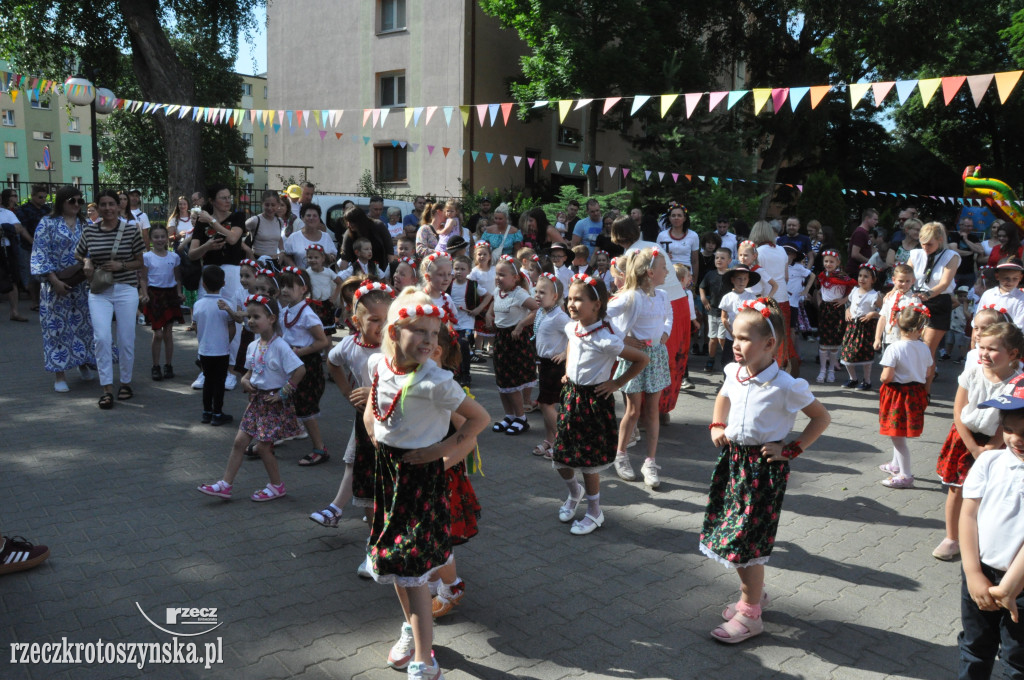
(760,305)
(270,274)
(826,253)
(585,278)
(549,276)
(748,244)
(916,306)
(409,261)
(482,244)
(316,246)
(261,300)
(292,270)
(436,254)
(253,264)
(370,286)
(420,310)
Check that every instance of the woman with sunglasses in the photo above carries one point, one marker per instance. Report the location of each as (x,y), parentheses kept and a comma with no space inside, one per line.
(63,310)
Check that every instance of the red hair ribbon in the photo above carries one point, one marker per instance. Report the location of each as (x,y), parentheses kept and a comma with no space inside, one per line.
(250,263)
(371,286)
(420,310)
(585,278)
(316,246)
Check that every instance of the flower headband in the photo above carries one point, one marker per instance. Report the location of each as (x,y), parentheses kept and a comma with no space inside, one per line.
(270,274)
(370,286)
(672,205)
(614,263)
(748,244)
(826,253)
(316,246)
(262,300)
(916,306)
(420,310)
(253,264)
(549,276)
(601,252)
(585,278)
(535,258)
(761,307)
(655,253)
(436,254)
(482,244)
(409,261)
(292,270)
(871,267)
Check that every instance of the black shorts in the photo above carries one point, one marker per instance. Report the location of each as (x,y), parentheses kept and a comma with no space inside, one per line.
(941,309)
(550,381)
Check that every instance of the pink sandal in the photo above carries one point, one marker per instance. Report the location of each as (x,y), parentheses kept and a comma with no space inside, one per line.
(269,493)
(738,629)
(543,449)
(889,468)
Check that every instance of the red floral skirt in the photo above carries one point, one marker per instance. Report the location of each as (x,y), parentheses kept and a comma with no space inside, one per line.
(831,325)
(901,409)
(955,460)
(463,505)
(163,307)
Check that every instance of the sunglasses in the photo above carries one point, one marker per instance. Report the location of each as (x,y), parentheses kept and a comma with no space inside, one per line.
(78,200)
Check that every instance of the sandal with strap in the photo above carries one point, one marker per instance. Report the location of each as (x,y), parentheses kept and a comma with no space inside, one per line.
(730,611)
(502,425)
(738,629)
(517,427)
(125,393)
(315,458)
(542,448)
(268,493)
(107,401)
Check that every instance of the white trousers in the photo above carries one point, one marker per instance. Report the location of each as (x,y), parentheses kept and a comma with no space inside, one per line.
(118,303)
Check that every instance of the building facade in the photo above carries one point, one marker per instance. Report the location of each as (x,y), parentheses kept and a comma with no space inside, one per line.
(394,54)
(255,178)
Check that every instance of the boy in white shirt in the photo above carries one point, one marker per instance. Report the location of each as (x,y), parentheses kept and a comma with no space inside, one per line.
(214,328)
(558,255)
(736,280)
(469,302)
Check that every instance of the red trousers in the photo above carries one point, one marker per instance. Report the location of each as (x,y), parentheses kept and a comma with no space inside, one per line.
(678,347)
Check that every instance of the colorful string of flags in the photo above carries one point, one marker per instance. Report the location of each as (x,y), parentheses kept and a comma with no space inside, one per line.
(325,121)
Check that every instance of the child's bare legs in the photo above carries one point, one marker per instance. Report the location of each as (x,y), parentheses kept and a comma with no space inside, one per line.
(512,402)
(416,607)
(168,344)
(752,584)
(158,339)
(630,418)
(649,415)
(527,394)
(313,428)
(713,345)
(950,545)
(550,413)
(344,495)
(235,458)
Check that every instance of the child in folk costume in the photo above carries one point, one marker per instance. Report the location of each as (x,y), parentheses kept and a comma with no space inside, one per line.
(405,273)
(408,412)
(832,296)
(747,257)
(753,414)
(903,397)
(587,430)
(859,338)
(324,287)
(886,331)
(514,362)
(273,372)
(551,341)
(436,276)
(305,334)
(990,371)
(641,314)
(348,365)
(483,274)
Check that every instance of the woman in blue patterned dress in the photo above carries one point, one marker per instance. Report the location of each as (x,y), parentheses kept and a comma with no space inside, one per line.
(63,310)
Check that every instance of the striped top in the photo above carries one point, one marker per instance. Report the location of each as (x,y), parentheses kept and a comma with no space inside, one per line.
(97,243)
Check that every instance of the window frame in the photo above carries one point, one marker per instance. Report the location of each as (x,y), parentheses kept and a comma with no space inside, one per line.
(71,154)
(39,104)
(398,26)
(400,156)
(42,136)
(8,113)
(393,76)
(13,146)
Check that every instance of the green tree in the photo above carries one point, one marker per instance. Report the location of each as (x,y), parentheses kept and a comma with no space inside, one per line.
(60,37)
(822,200)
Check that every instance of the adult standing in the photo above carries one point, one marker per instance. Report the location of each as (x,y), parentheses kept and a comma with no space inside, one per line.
(860,243)
(992,241)
(587,230)
(180,225)
(63,310)
(413,218)
(679,242)
(135,205)
(267,228)
(935,268)
(11,235)
(179,222)
(284,211)
(29,215)
(115,246)
(626,234)
(728,238)
(774,264)
(495,235)
(375,211)
(483,213)
(428,234)
(793,237)
(901,253)
(604,241)
(295,246)
(967,244)
(361,226)
(572,212)
(1008,236)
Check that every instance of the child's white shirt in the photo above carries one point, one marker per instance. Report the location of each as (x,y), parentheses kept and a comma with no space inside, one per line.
(909,359)
(797,279)
(730,304)
(296,322)
(979,390)
(323,283)
(958,320)
(589,360)
(996,479)
(834,292)
(484,280)
(564,274)
(464,322)
(422,416)
(160,270)
(862,303)
(508,307)
(763,409)
(645,317)
(762,287)
(1012,302)
(774,261)
(271,370)
(693,310)
(549,332)
(354,359)
(212,325)
(890,331)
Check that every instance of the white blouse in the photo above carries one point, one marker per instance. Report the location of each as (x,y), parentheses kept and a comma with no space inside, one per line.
(909,359)
(1012,302)
(509,309)
(774,263)
(270,369)
(679,250)
(919,261)
(589,360)
(862,303)
(296,321)
(422,417)
(762,409)
(980,389)
(160,270)
(645,317)
(549,331)
(354,359)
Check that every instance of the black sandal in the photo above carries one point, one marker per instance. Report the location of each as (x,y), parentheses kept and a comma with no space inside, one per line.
(156,373)
(125,393)
(315,458)
(107,401)
(502,425)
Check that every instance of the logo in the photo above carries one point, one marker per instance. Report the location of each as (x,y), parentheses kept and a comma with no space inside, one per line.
(187,618)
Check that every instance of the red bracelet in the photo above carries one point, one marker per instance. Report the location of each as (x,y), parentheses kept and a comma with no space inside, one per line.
(714,425)
(792,450)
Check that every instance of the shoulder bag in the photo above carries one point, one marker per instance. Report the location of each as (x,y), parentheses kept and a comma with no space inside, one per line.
(103,279)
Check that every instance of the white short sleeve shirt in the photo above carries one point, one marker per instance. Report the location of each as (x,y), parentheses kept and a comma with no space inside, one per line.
(763,408)
(997,479)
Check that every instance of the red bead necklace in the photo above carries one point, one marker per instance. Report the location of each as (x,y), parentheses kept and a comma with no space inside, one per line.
(591,331)
(355,339)
(298,315)
(373,394)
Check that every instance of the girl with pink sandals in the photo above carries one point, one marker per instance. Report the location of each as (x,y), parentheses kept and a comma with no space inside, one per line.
(754,412)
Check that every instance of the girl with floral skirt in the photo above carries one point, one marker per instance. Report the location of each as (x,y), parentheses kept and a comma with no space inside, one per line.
(859,337)
(835,287)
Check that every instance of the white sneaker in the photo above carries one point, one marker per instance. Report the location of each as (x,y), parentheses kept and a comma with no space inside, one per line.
(199,382)
(231,382)
(421,671)
(60,386)
(687,385)
(650,472)
(363,572)
(634,439)
(623,469)
(821,376)
(86,373)
(402,651)
(831,376)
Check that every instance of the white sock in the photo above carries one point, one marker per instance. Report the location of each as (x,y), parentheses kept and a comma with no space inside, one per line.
(594,504)
(901,455)
(850,371)
(823,357)
(574,487)
(834,353)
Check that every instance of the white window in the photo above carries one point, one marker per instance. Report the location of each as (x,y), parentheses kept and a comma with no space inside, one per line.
(42,136)
(247,138)
(13,179)
(10,150)
(76,181)
(266,141)
(392,89)
(246,89)
(264,91)
(38,104)
(40,165)
(73,124)
(392,15)
(8,119)
(390,164)
(75,153)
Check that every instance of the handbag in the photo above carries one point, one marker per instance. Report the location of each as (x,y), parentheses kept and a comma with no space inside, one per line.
(73,275)
(101,278)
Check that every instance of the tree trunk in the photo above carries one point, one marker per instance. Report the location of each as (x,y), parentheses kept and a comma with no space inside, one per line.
(163,78)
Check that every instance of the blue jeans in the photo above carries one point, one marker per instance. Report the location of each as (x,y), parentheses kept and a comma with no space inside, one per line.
(985,632)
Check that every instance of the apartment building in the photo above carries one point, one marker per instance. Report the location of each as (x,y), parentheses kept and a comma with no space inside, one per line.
(257,140)
(393,54)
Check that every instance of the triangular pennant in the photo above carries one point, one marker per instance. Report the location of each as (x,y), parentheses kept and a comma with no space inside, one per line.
(413,147)
(531,161)
(277,127)
(544,163)
(366,115)
(493,110)
(675,177)
(715,99)
(506,111)
(384,116)
(779,95)
(661,176)
(881,90)
(564,106)
(609,102)
(1005,82)
(464,112)
(625,173)
(928,87)
(558,166)
(445,149)
(416,113)
(323,133)
(395,143)
(647,174)
(291,118)
(857,92)
(979,86)
(795,95)
(638,101)
(430,149)
(734,97)
(324,115)
(184,111)
(475,155)
(581,103)
(518,160)
(800,188)
(298,117)
(667,100)
(448,110)
(904,88)
(692,99)
(572,168)
(598,169)
(481,113)
(462,152)
(700,177)
(408,115)
(540,102)
(818,93)
(338,134)
(489,156)
(366,141)
(584,168)
(715,180)
(950,86)
(503,158)
(305,116)
(431,110)
(761,95)
(611,170)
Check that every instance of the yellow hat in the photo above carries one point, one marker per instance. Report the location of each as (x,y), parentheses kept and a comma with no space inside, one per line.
(294,192)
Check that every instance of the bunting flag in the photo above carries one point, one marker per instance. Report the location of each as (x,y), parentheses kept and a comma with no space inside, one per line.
(928,87)
(609,103)
(796,94)
(881,90)
(564,106)
(857,92)
(667,100)
(761,96)
(818,93)
(716,99)
(692,99)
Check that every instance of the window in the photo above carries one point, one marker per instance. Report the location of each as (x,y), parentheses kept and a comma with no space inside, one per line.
(389,164)
(75,153)
(265,92)
(392,15)
(247,138)
(42,136)
(40,165)
(246,89)
(10,150)
(392,89)
(13,179)
(568,136)
(8,119)
(76,181)
(266,141)
(73,124)
(38,104)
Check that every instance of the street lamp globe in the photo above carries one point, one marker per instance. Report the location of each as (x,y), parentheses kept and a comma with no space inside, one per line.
(104,100)
(80,91)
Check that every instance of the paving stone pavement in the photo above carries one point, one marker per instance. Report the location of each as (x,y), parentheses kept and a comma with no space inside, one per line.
(856,593)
